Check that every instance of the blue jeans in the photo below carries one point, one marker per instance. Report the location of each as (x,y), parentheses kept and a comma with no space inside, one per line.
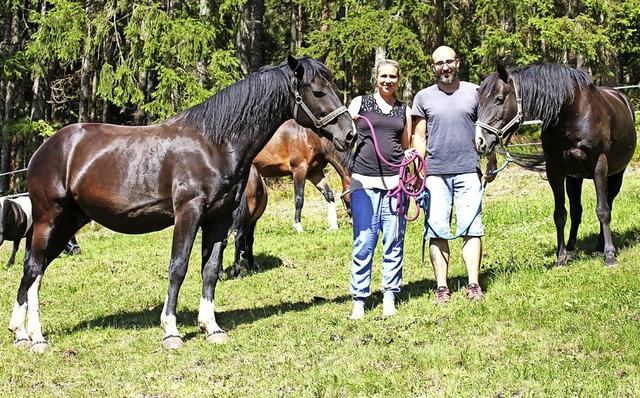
(374,213)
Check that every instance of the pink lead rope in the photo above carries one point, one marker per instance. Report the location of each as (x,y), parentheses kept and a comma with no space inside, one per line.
(406,186)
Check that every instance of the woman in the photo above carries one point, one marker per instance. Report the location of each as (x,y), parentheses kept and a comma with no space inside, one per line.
(374,213)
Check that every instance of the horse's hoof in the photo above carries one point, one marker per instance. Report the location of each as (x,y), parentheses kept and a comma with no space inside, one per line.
(562,262)
(22,343)
(217,337)
(39,347)
(172,343)
(610,261)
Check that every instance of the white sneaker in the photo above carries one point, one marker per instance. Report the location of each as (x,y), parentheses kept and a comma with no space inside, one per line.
(358,310)
(388,307)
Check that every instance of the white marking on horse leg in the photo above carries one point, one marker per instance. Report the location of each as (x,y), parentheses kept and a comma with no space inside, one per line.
(332,215)
(34,327)
(297,226)
(168,322)
(207,321)
(16,324)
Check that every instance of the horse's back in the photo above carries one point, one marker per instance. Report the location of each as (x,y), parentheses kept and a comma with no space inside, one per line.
(291,146)
(124,176)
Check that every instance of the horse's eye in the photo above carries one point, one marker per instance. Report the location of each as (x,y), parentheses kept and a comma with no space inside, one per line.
(318,94)
(500,100)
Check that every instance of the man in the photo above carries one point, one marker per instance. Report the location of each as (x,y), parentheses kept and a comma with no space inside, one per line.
(444,116)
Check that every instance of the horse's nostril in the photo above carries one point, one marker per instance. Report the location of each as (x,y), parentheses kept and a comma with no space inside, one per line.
(350,136)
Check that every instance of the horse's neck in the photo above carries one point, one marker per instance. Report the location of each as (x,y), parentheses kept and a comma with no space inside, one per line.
(335,159)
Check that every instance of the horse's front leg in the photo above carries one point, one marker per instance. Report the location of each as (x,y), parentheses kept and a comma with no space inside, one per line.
(299,178)
(603,209)
(559,213)
(213,245)
(574,192)
(12,258)
(184,234)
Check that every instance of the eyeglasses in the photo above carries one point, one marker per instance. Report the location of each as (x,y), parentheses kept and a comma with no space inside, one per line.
(449,63)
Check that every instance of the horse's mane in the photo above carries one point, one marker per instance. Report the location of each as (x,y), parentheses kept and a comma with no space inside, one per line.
(544,88)
(232,112)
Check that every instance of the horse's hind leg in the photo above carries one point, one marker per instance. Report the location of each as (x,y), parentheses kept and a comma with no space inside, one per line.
(603,208)
(47,242)
(574,192)
(240,251)
(556,181)
(318,179)
(27,298)
(614,184)
(249,246)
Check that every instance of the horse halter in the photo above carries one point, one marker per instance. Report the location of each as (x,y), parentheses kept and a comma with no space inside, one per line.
(503,133)
(317,122)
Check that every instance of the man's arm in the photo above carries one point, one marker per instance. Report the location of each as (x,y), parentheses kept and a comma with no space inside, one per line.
(420,135)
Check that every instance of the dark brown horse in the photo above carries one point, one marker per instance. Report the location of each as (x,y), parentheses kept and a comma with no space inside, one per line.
(587,132)
(252,206)
(295,150)
(188,171)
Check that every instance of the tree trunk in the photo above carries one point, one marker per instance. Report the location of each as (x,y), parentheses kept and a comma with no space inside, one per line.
(12,38)
(251,36)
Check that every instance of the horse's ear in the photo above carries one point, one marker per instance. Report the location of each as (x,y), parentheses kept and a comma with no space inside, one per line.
(323,57)
(481,75)
(295,66)
(502,72)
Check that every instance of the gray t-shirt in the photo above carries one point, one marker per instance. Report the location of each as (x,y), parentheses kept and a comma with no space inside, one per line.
(450,128)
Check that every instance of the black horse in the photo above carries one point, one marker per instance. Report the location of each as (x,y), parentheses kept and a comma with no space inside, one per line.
(15,223)
(587,132)
(188,171)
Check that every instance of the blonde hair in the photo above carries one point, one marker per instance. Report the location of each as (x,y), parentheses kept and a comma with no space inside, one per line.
(376,70)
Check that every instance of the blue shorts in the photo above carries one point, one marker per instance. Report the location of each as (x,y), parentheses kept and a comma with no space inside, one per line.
(462,191)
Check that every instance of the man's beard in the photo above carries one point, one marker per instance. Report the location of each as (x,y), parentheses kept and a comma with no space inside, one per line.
(447,80)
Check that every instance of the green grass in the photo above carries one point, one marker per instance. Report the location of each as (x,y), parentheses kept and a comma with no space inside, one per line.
(542,332)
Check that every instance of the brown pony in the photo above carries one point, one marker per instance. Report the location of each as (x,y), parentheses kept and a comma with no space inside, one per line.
(587,132)
(252,206)
(188,171)
(294,150)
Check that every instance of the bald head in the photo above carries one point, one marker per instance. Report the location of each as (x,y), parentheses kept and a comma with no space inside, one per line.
(443,53)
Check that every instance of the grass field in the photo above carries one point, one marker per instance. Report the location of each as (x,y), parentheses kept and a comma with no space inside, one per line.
(541,332)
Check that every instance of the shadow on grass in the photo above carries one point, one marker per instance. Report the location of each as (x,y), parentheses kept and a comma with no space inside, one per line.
(232,319)
(586,245)
(262,263)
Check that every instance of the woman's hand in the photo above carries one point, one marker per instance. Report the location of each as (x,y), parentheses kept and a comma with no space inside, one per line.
(409,153)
